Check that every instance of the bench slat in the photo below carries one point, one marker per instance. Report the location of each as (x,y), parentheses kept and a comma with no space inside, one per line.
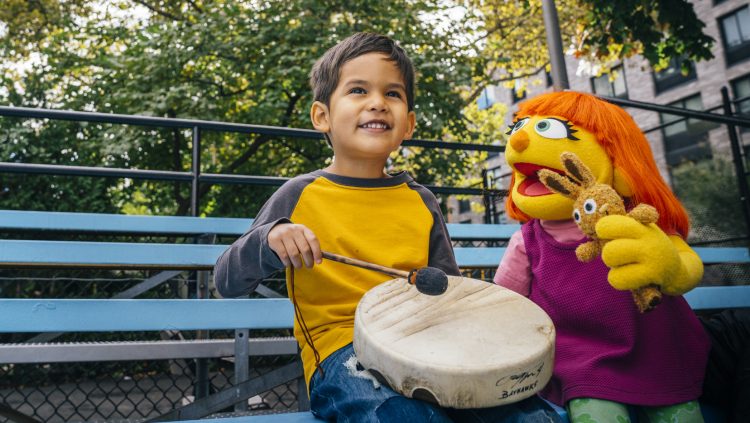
(185,225)
(121,255)
(121,223)
(490,256)
(718,297)
(82,315)
(140,350)
(23,253)
(481,231)
(301,417)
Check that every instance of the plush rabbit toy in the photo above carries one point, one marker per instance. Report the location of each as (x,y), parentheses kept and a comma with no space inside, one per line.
(593,201)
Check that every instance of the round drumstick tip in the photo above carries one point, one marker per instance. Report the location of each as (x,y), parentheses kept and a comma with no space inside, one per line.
(429,280)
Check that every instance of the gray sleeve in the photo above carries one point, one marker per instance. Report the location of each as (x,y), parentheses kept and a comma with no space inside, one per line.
(249,259)
(441,250)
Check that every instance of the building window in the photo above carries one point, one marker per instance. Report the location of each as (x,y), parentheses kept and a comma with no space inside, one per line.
(464,206)
(548,77)
(486,98)
(686,139)
(735,34)
(672,75)
(741,91)
(611,84)
(495,177)
(518,92)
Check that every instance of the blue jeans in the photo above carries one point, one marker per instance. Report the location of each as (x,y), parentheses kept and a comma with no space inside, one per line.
(344,397)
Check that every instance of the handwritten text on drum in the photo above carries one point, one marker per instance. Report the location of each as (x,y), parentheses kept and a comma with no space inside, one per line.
(519,379)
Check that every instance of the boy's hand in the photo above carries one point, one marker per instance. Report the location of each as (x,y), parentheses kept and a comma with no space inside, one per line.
(295,244)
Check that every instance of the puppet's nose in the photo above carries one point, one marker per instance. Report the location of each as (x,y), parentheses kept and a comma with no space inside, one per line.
(519,141)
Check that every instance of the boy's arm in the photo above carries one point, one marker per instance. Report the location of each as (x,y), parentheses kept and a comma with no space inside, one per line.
(441,250)
(247,261)
(441,254)
(250,259)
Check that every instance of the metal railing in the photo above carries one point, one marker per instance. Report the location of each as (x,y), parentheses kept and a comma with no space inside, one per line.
(195,177)
(730,119)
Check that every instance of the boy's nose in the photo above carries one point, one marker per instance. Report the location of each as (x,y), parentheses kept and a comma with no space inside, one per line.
(378,103)
(519,141)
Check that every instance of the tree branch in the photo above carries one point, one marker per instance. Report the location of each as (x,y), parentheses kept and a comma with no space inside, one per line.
(158,11)
(195,6)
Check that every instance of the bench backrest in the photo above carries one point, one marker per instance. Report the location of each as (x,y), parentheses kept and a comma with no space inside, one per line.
(108,315)
(202,256)
(125,255)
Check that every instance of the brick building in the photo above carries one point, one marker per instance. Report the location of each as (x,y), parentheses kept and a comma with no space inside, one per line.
(728,22)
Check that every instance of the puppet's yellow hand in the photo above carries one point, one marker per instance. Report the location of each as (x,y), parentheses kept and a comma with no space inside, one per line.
(639,255)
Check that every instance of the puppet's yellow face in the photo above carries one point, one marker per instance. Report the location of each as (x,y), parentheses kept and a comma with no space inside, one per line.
(535,143)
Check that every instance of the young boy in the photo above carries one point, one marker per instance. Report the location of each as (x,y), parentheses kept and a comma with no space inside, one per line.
(364,104)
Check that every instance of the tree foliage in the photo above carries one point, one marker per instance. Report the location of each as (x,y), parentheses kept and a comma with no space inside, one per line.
(511,35)
(236,61)
(657,29)
(248,62)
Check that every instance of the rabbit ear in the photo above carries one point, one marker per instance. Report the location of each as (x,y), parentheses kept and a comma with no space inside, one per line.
(558,183)
(577,170)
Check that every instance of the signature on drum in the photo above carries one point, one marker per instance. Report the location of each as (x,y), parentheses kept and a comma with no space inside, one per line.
(519,379)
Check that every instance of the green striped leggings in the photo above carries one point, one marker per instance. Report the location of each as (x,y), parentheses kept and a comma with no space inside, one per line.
(590,410)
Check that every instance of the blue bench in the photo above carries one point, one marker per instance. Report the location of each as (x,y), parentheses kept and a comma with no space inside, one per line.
(122,313)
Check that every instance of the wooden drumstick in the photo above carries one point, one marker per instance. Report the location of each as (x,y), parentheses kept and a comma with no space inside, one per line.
(428,280)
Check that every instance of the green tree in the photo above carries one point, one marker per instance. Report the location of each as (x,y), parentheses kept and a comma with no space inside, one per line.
(237,61)
(511,34)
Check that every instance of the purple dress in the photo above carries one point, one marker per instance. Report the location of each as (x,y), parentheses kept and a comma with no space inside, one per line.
(605,348)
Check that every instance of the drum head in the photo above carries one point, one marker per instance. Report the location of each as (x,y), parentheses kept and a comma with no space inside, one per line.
(477,345)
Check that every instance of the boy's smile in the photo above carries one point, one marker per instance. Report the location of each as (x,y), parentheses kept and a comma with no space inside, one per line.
(368,114)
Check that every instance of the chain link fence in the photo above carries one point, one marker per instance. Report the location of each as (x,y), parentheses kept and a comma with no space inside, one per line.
(131,391)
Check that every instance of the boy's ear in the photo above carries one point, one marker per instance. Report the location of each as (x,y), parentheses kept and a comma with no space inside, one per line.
(412,124)
(319,117)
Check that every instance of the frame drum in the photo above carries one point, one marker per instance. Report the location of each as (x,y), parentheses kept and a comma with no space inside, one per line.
(477,345)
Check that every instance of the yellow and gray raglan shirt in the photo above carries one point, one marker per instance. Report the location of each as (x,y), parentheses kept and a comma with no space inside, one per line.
(394,222)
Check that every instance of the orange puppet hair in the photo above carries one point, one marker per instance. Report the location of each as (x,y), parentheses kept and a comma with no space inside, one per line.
(626,146)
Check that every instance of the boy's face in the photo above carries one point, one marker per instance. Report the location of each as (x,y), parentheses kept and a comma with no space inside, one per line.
(368,116)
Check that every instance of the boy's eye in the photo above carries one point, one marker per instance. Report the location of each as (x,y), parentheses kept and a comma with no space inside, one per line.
(393,94)
(357,90)
(555,129)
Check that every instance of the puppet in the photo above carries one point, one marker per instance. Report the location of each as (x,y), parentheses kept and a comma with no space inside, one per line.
(605,348)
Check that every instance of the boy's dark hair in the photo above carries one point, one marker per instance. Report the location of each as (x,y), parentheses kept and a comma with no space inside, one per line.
(324,76)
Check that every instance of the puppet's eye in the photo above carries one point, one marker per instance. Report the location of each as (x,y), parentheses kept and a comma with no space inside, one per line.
(516,126)
(589,206)
(552,128)
(576,215)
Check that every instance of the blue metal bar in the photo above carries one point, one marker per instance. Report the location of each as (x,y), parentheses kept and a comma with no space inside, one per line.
(481,231)
(719,297)
(110,255)
(83,315)
(120,223)
(185,225)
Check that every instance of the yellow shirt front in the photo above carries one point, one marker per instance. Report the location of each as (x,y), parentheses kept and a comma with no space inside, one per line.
(394,222)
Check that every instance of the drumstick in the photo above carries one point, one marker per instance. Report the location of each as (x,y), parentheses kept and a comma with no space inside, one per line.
(428,280)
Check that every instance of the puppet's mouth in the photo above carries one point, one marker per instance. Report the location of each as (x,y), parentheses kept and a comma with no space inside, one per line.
(531,186)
